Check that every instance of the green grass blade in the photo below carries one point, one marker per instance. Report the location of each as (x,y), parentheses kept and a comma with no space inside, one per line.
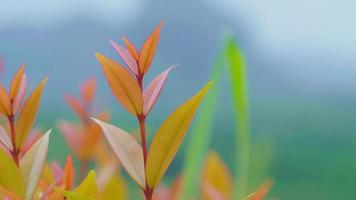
(200,136)
(237,73)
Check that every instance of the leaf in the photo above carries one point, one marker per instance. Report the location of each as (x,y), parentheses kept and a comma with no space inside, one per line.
(153,90)
(261,192)
(201,134)
(8,195)
(169,136)
(127,150)
(32,163)
(4,139)
(238,81)
(126,56)
(132,49)
(222,183)
(115,188)
(10,176)
(122,84)
(68,174)
(20,94)
(148,49)
(74,195)
(88,90)
(5,104)
(88,187)
(28,114)
(16,82)
(75,105)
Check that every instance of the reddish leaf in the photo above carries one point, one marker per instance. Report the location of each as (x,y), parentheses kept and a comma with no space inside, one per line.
(68,174)
(75,105)
(88,90)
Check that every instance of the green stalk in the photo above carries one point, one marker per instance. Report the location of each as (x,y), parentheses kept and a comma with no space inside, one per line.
(201,134)
(237,73)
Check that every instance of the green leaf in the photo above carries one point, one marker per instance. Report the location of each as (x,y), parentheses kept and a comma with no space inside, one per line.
(237,68)
(200,137)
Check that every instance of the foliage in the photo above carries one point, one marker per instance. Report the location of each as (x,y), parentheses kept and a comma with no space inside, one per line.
(26,174)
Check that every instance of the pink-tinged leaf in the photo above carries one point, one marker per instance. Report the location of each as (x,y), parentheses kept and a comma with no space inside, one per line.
(21,92)
(30,140)
(148,49)
(32,163)
(4,139)
(57,170)
(211,193)
(261,192)
(73,136)
(131,48)
(127,150)
(16,82)
(153,90)
(126,56)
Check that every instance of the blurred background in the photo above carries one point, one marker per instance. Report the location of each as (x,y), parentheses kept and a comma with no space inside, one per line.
(301,74)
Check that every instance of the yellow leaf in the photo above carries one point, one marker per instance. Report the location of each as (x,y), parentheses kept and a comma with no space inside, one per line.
(127,150)
(10,175)
(122,84)
(148,49)
(169,136)
(74,195)
(16,82)
(28,114)
(115,188)
(88,187)
(32,163)
(216,176)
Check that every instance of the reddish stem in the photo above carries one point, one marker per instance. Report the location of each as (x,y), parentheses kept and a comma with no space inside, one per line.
(142,121)
(15,153)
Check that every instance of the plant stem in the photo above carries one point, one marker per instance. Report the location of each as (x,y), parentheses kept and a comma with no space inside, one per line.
(142,122)
(14,152)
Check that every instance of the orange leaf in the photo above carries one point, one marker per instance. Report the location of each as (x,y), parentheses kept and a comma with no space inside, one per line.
(261,192)
(132,49)
(5,104)
(148,49)
(88,90)
(68,174)
(123,85)
(16,82)
(169,137)
(28,114)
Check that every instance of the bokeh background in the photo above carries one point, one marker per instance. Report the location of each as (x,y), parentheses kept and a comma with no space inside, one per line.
(301,74)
